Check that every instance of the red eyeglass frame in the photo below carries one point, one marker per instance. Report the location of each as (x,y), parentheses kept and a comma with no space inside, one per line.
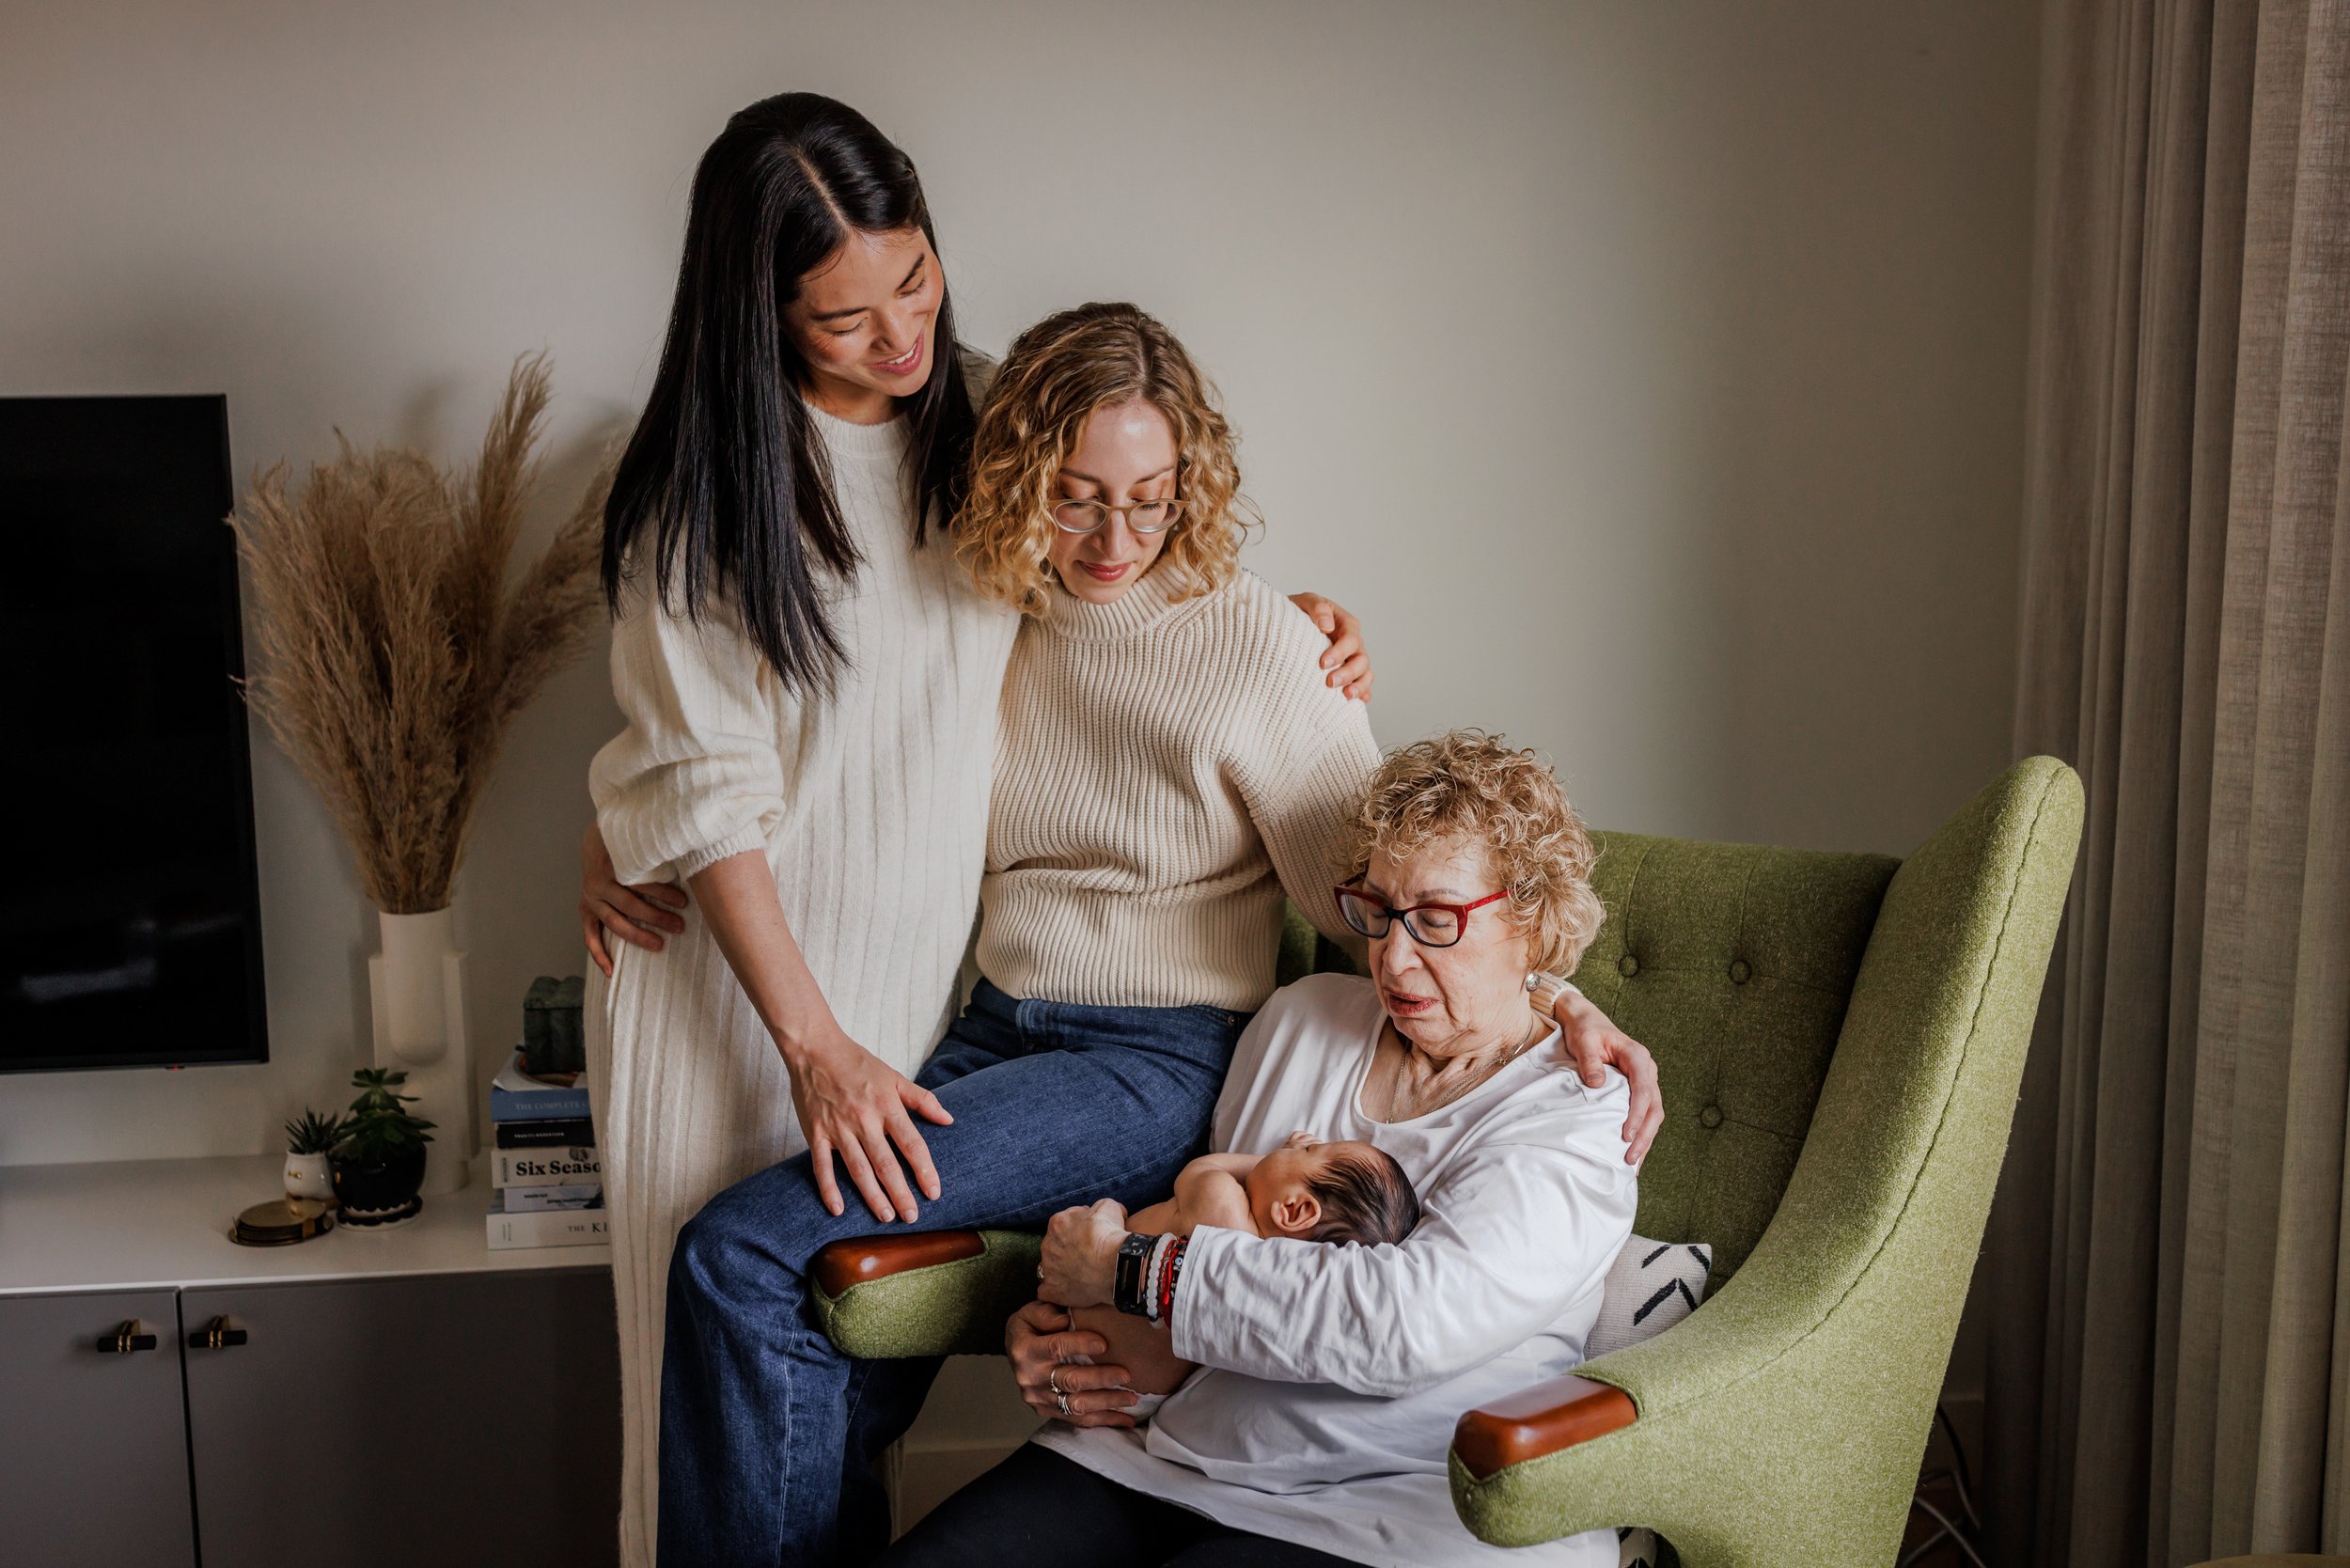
(1459,912)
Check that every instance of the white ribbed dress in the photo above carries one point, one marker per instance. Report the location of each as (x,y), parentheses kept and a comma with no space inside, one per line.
(871,808)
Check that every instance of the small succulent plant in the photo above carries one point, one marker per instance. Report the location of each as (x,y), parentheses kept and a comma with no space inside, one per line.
(313,1134)
(380,1128)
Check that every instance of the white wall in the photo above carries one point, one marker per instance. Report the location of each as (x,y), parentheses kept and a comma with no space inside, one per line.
(1647,375)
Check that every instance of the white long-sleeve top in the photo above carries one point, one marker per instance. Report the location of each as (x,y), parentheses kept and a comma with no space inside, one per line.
(1332,1376)
(869,804)
(869,801)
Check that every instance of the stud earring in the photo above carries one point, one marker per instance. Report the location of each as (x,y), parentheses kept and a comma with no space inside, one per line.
(1543,991)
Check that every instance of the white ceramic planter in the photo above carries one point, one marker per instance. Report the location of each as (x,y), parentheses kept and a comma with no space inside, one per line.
(306,1176)
(418,985)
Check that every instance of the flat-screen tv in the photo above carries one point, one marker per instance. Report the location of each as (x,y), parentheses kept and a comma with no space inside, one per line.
(130,932)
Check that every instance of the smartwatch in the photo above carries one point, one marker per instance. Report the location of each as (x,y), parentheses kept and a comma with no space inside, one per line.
(1127,1289)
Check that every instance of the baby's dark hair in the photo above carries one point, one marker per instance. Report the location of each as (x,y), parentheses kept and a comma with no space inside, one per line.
(1365,1199)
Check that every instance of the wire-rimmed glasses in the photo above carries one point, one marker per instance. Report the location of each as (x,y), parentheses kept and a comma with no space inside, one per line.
(1431,925)
(1142,517)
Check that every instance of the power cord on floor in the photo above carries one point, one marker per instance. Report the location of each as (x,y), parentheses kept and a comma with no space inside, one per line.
(1962,1482)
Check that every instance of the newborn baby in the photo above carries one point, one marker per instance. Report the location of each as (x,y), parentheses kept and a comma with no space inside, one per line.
(1314,1191)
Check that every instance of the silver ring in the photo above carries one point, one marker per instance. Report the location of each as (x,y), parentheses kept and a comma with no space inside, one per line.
(1052,1379)
(1062,1399)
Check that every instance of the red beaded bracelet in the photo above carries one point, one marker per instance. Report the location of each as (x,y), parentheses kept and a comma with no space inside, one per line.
(1168,1271)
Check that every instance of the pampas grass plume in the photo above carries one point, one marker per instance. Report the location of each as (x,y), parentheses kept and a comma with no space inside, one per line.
(392,652)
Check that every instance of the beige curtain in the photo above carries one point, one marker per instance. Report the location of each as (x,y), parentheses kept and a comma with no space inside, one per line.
(2165,1282)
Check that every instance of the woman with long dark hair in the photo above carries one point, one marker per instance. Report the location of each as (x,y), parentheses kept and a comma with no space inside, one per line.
(810,684)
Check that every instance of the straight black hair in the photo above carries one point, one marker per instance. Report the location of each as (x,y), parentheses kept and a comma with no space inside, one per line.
(725,482)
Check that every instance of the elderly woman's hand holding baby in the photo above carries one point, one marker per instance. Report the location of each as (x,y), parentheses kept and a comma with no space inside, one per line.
(1042,1341)
(1043,1347)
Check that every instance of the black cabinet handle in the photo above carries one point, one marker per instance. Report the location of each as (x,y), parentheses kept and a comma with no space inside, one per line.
(125,1339)
(215,1334)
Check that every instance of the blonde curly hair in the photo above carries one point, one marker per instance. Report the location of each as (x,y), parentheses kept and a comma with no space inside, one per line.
(1059,371)
(1469,785)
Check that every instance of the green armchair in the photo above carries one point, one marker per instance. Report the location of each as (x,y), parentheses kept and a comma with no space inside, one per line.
(1840,1040)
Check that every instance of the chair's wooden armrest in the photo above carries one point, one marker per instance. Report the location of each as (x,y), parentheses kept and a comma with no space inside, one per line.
(869,1258)
(1541,1419)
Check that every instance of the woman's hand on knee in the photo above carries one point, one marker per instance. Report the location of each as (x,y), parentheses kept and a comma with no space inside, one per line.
(854,1105)
(635,913)
(1042,1345)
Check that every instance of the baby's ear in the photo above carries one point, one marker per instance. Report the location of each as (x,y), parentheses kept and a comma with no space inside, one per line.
(1298,1214)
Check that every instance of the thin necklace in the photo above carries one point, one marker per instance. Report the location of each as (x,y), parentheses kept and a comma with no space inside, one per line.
(1534,1032)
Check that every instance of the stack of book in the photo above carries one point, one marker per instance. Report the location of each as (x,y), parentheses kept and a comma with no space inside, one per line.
(547,1178)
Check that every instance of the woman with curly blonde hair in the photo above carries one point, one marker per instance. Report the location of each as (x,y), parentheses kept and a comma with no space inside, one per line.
(1064,369)
(1169,763)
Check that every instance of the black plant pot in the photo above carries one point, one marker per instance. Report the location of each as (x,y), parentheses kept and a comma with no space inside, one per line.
(379,1192)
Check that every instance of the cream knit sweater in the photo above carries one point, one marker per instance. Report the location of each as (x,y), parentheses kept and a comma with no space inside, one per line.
(871,809)
(1163,772)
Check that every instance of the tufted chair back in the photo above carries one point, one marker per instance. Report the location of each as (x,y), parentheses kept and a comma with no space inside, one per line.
(1731,963)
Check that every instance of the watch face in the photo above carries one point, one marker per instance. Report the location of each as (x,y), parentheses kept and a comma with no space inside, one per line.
(1126,1289)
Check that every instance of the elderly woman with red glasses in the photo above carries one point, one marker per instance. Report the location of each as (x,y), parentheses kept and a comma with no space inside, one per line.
(1331,1376)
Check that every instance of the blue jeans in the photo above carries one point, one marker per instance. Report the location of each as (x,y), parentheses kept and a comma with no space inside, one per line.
(768,1433)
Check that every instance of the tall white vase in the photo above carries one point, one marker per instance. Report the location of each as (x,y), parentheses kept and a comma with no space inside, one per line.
(418,987)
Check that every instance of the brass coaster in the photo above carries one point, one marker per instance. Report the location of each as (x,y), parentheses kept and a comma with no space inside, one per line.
(282,1222)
